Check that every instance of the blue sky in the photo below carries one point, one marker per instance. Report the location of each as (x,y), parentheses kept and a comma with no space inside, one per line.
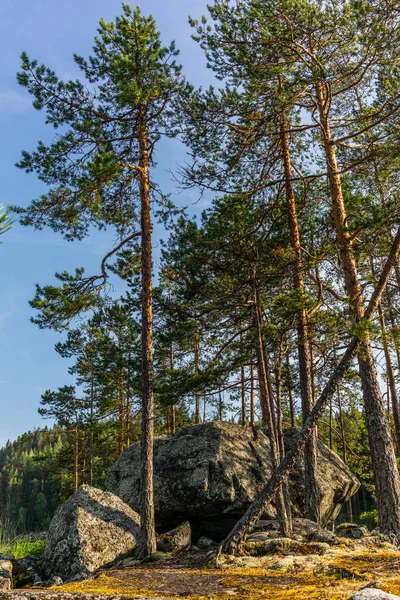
(51,31)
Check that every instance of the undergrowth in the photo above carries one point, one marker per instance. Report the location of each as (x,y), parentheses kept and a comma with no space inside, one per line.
(20,547)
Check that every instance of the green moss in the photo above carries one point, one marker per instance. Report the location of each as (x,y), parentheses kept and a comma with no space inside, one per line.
(157,556)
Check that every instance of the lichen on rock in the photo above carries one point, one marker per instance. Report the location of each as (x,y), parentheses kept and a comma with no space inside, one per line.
(90,530)
(209,474)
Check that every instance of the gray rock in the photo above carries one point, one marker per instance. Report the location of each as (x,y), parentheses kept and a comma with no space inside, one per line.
(351,531)
(56,580)
(204,543)
(311,532)
(261,547)
(6,569)
(373,594)
(209,474)
(176,540)
(267,525)
(37,581)
(90,530)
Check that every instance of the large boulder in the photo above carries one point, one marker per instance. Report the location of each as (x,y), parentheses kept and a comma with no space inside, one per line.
(90,530)
(209,474)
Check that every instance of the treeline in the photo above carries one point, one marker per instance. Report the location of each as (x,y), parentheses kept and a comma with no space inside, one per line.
(257,300)
(30,487)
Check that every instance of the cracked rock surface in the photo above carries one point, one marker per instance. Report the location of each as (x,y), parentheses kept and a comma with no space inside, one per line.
(208,475)
(90,530)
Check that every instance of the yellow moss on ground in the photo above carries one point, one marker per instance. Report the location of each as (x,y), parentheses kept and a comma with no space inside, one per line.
(336,575)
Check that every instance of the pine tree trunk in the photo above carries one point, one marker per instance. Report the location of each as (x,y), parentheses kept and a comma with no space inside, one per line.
(386,475)
(91,436)
(280,500)
(220,406)
(128,406)
(261,392)
(313,496)
(252,412)
(121,412)
(243,394)
(76,457)
(196,370)
(172,411)
(281,441)
(391,377)
(147,538)
(233,542)
(344,450)
(290,384)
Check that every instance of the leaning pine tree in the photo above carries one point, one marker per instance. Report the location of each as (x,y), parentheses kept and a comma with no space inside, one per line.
(98,171)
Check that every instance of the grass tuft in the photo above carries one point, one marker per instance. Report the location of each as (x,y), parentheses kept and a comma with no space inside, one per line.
(20,547)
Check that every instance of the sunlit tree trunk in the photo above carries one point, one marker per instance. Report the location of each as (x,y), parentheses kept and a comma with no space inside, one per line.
(384,463)
(312,498)
(147,538)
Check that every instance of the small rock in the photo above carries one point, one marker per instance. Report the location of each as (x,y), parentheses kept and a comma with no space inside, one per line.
(5,575)
(205,543)
(37,581)
(176,540)
(351,531)
(271,546)
(129,562)
(267,525)
(373,594)
(54,581)
(314,548)
(312,532)
(75,578)
(260,536)
(277,566)
(157,556)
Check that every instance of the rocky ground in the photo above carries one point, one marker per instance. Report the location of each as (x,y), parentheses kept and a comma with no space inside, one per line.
(338,572)
(92,539)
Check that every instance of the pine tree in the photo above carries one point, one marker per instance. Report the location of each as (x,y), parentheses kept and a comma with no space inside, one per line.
(99,172)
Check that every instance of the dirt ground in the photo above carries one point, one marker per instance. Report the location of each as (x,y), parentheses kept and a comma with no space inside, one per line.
(335,575)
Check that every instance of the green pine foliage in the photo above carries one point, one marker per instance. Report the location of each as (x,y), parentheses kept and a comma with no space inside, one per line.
(233,268)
